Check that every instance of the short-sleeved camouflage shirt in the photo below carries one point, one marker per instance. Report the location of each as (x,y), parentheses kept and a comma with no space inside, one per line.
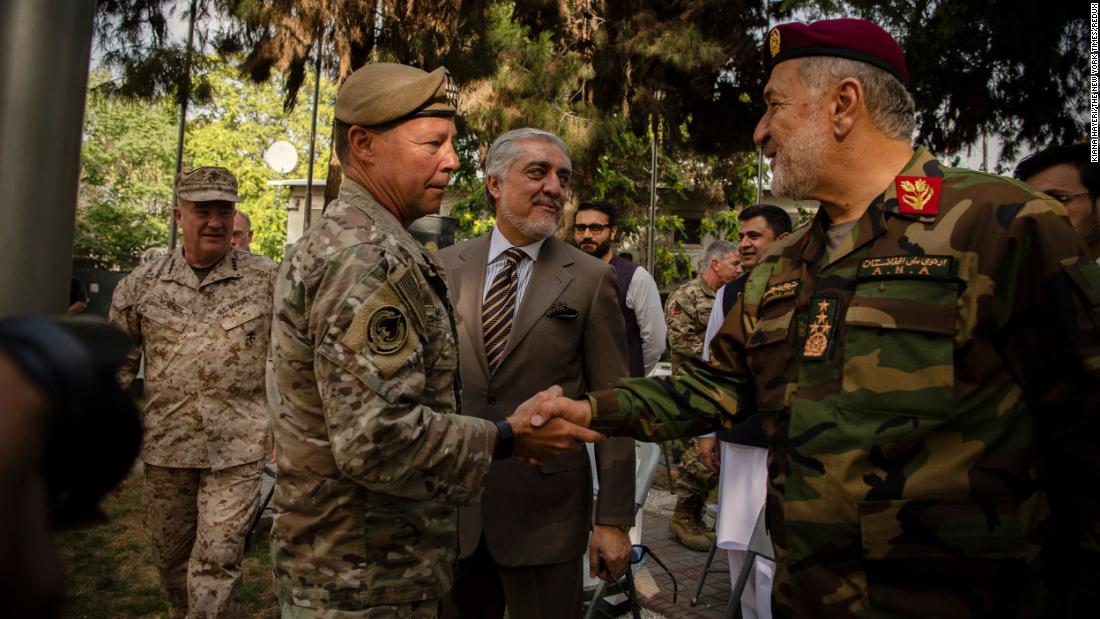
(686,313)
(931,389)
(373,459)
(205,346)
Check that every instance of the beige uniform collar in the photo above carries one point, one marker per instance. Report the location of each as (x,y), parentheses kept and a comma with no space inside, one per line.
(386,223)
(179,271)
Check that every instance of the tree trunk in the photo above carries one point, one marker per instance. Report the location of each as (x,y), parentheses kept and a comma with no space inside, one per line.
(335,172)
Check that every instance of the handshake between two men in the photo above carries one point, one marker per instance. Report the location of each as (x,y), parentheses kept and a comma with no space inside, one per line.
(548,424)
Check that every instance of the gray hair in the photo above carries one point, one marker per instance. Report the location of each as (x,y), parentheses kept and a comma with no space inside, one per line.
(507,148)
(247,221)
(716,251)
(889,104)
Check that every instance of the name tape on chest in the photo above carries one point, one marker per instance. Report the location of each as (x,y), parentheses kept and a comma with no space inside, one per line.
(780,291)
(910,267)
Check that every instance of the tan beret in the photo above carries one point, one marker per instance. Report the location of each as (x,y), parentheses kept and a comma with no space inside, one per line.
(207,184)
(382,92)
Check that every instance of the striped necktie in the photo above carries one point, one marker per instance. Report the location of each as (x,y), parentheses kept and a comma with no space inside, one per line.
(500,307)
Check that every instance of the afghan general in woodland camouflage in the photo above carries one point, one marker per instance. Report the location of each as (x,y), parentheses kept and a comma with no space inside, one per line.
(919,386)
(929,379)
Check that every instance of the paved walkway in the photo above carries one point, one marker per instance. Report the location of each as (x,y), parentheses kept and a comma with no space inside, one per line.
(653,583)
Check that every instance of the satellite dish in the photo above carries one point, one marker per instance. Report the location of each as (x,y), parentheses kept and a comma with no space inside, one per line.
(281,156)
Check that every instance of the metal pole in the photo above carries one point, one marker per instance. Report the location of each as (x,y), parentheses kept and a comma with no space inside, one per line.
(41,120)
(313,127)
(759,174)
(651,244)
(184,97)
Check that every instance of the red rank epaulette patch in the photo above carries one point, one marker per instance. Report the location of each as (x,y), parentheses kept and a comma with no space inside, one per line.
(918,195)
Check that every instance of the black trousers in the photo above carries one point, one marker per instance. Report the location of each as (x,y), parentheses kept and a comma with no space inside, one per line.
(483,589)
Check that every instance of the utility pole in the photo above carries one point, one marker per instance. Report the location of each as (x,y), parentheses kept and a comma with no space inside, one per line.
(313,125)
(41,121)
(651,236)
(185,95)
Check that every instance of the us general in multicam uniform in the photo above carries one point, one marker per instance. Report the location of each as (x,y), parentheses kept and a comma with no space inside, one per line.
(205,409)
(930,389)
(687,311)
(373,459)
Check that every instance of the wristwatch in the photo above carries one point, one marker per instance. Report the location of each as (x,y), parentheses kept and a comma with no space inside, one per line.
(506,440)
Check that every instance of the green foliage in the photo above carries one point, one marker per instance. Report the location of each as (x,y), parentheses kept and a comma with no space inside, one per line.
(724,225)
(1008,67)
(125,178)
(233,131)
(128,162)
(671,267)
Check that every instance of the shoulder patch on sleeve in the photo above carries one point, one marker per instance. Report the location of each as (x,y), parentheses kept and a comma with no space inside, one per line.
(380,330)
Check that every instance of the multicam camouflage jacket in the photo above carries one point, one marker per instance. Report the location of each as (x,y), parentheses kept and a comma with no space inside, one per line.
(373,460)
(686,313)
(204,346)
(930,389)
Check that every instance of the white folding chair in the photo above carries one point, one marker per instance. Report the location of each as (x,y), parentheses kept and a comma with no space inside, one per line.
(647,456)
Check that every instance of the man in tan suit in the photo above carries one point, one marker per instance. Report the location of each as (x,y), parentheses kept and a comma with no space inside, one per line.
(532,312)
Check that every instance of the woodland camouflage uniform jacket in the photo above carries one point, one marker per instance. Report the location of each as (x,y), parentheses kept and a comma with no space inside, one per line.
(931,391)
(373,460)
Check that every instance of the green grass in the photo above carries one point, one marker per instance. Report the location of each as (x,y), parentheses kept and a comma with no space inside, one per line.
(110,573)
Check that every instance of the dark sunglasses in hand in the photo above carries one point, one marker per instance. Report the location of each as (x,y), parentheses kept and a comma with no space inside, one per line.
(595,228)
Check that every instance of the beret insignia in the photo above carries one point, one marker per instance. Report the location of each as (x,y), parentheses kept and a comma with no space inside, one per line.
(773,42)
(451,89)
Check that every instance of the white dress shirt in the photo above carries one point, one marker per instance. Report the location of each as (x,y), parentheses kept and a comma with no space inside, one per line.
(497,246)
(642,297)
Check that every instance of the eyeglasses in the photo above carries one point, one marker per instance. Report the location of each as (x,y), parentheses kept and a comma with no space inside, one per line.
(595,228)
(1064,199)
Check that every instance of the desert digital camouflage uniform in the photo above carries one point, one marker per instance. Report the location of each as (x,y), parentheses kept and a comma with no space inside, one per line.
(930,388)
(687,310)
(373,459)
(205,417)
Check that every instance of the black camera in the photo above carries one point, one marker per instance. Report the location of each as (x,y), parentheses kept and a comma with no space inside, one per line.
(94,428)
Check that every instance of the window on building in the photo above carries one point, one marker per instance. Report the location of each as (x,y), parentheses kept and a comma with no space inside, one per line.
(690,235)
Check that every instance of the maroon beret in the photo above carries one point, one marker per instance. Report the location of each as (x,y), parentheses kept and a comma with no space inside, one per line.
(855,39)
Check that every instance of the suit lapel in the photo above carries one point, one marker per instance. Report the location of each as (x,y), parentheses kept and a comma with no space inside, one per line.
(548,279)
(469,277)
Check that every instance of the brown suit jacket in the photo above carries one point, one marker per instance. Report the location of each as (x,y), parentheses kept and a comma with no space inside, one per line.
(541,515)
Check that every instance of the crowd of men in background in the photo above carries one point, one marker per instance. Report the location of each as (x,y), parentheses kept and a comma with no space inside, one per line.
(411,383)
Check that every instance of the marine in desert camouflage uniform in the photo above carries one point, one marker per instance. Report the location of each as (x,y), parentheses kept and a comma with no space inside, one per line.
(686,313)
(202,317)
(929,377)
(373,459)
